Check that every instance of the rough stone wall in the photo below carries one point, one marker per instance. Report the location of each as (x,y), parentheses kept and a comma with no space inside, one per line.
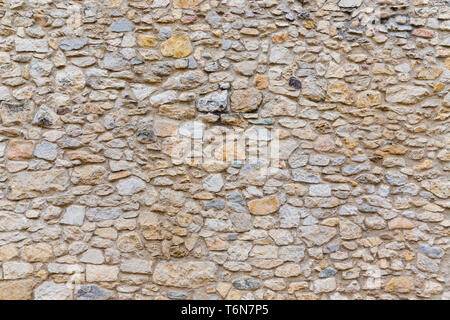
(99,101)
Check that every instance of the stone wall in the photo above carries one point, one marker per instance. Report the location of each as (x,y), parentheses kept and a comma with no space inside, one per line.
(102,195)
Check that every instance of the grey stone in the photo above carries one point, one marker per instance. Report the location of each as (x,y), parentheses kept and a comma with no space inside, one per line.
(74,215)
(31,45)
(246,283)
(73,44)
(303,175)
(213,102)
(176,295)
(115,62)
(46,150)
(213,182)
(130,186)
(349,3)
(122,26)
(104,213)
(289,216)
(327,272)
(53,291)
(317,235)
(93,292)
(396,178)
(218,204)
(355,168)
(320,190)
(432,252)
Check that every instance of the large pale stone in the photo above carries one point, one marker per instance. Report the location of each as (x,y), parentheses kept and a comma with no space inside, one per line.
(41,252)
(368,99)
(70,80)
(324,285)
(99,213)
(90,174)
(264,206)
(74,215)
(12,222)
(186,4)
(246,100)
(406,94)
(317,235)
(129,186)
(129,242)
(213,182)
(16,289)
(150,225)
(16,270)
(13,113)
(135,265)
(24,185)
(349,230)
(31,45)
(185,274)
(96,273)
(53,291)
(177,46)
(340,93)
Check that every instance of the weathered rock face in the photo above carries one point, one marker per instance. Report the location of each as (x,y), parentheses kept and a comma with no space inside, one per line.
(184,274)
(234,149)
(29,184)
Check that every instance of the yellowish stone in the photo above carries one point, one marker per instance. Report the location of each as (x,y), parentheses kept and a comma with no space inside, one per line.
(147,41)
(177,46)
(186,4)
(261,207)
(428,73)
(400,285)
(438,87)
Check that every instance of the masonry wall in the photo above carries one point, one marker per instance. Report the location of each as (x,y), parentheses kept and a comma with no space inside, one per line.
(121,176)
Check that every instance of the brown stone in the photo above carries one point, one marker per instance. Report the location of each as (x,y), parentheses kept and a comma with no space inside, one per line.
(368,99)
(260,82)
(400,223)
(40,252)
(423,33)
(339,92)
(186,4)
(185,274)
(264,206)
(147,41)
(246,100)
(20,150)
(177,46)
(16,289)
(400,284)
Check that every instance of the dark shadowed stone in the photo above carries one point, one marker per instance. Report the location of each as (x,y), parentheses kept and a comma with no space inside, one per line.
(246,283)
(295,83)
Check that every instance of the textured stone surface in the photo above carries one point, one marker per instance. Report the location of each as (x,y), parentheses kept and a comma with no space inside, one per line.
(204,149)
(187,274)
